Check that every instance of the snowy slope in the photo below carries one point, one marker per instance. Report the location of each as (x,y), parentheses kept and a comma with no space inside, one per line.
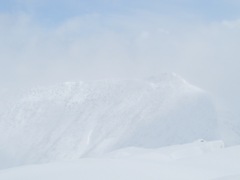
(207,161)
(73,120)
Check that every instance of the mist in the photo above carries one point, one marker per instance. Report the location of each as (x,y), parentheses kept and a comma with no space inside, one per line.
(112,39)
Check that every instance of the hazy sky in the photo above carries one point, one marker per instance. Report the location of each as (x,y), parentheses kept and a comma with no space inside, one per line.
(50,41)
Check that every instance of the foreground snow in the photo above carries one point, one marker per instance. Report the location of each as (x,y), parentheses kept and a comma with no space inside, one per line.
(195,161)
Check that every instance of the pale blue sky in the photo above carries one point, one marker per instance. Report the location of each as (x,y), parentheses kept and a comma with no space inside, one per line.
(55,11)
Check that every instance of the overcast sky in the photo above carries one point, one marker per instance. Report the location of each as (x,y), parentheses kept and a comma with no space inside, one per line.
(50,41)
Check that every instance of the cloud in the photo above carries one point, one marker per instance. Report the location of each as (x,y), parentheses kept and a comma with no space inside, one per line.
(46,42)
(141,44)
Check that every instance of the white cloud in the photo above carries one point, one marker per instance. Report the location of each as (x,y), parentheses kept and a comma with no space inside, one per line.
(138,45)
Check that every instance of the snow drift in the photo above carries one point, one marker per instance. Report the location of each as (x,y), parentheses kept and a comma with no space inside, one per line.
(74,120)
(198,161)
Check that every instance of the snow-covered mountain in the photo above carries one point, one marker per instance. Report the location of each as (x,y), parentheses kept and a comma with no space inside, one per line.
(73,120)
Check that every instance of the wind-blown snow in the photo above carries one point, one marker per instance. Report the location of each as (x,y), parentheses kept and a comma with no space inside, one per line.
(74,120)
